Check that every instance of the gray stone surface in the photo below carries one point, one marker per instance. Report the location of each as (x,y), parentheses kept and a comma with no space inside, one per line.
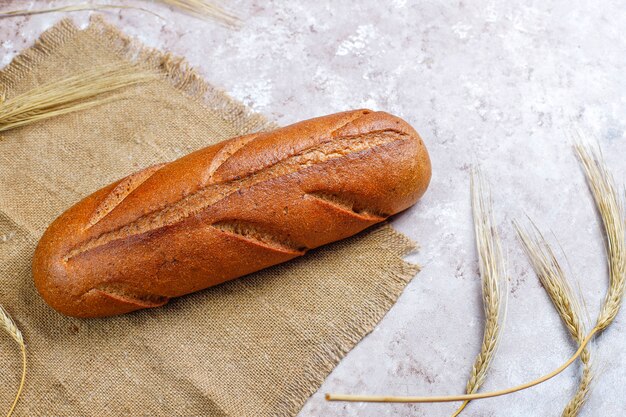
(499,84)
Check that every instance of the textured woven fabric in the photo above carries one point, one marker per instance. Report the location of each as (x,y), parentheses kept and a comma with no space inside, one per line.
(257,346)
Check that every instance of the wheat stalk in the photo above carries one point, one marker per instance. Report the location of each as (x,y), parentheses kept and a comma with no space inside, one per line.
(74,8)
(11,328)
(464,397)
(69,94)
(494,282)
(565,301)
(201,9)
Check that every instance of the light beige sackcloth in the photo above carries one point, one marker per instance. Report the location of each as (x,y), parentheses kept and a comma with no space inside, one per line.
(257,346)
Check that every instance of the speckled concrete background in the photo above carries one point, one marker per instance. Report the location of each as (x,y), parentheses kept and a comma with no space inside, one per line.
(495,83)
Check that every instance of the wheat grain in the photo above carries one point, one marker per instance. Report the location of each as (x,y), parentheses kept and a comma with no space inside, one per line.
(494,282)
(70,94)
(11,328)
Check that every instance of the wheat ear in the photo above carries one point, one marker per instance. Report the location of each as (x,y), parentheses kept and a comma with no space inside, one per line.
(494,282)
(203,9)
(610,206)
(565,301)
(11,328)
(582,392)
(70,94)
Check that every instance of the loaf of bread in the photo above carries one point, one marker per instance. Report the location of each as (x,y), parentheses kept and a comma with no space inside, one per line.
(228,210)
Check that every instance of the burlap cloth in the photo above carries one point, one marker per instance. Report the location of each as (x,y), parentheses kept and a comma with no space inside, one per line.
(257,346)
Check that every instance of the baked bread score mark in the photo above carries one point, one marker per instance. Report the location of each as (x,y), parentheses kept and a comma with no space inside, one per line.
(347,205)
(224,154)
(255,234)
(121,191)
(205,197)
(120,293)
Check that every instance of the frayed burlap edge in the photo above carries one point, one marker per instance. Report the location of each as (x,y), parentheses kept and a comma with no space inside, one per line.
(326,360)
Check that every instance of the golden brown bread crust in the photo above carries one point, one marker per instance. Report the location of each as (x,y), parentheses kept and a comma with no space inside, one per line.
(228,210)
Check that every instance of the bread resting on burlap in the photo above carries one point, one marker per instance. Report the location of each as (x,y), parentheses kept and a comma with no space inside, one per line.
(228,210)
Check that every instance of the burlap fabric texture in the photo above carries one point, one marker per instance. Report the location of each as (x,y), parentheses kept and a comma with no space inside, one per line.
(258,346)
